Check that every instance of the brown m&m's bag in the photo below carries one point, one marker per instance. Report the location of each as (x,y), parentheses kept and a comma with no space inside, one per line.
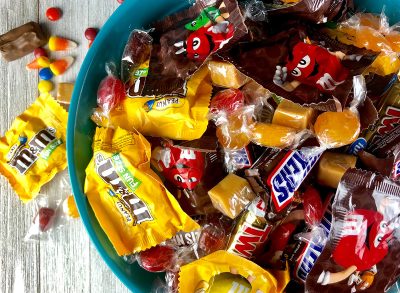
(181,43)
(363,249)
(132,206)
(33,150)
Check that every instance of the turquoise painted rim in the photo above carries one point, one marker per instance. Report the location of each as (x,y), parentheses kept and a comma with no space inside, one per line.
(80,198)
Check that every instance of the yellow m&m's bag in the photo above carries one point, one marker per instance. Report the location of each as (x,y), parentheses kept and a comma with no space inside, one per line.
(132,206)
(174,117)
(33,150)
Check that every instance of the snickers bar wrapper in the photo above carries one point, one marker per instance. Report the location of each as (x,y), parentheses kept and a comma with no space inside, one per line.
(363,249)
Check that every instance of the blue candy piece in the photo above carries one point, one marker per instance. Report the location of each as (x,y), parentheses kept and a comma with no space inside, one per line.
(45,73)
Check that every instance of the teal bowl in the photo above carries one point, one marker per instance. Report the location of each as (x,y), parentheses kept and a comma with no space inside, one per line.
(108,46)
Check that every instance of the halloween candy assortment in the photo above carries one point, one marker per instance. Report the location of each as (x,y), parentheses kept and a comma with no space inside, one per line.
(232,152)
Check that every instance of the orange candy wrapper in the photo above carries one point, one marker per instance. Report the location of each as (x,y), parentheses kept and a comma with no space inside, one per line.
(132,206)
(174,117)
(224,272)
(33,150)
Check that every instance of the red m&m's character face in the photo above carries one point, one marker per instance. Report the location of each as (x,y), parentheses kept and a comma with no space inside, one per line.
(182,167)
(316,66)
(364,241)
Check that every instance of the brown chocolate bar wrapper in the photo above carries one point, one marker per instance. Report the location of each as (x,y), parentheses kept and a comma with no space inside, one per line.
(315,11)
(385,133)
(259,59)
(251,231)
(169,65)
(370,162)
(366,213)
(21,41)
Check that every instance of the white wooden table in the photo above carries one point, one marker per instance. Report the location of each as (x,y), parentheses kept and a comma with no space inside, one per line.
(71,263)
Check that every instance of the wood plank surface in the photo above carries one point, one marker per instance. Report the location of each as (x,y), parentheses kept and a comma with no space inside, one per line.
(69,262)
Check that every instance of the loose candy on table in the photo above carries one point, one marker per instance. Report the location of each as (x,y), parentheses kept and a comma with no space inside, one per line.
(21,41)
(61,44)
(59,66)
(45,74)
(64,92)
(40,62)
(39,52)
(45,86)
(90,34)
(69,207)
(53,13)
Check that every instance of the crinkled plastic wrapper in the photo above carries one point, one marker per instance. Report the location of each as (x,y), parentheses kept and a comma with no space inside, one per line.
(363,247)
(129,201)
(33,149)
(174,117)
(222,271)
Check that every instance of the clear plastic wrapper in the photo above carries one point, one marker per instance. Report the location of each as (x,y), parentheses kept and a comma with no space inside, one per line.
(50,211)
(364,241)
(231,195)
(255,10)
(337,129)
(111,90)
(224,74)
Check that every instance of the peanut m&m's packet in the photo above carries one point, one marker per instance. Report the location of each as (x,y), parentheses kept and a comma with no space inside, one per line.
(131,204)
(33,150)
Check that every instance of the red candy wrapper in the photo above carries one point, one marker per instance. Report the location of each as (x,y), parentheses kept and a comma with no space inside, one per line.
(364,245)
(302,65)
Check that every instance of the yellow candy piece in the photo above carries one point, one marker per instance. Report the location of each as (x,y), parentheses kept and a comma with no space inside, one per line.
(61,44)
(33,150)
(132,206)
(231,195)
(293,115)
(233,134)
(336,129)
(45,86)
(64,92)
(43,61)
(69,207)
(272,135)
(225,74)
(59,66)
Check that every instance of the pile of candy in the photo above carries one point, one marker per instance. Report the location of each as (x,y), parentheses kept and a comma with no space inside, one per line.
(249,147)
(240,149)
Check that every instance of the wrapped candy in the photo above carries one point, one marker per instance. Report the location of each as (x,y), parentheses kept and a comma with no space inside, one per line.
(123,190)
(364,239)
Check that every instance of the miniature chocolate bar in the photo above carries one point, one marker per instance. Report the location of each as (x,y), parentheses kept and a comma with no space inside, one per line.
(21,41)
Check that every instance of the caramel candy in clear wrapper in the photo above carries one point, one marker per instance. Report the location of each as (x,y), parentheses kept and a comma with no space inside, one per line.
(332,167)
(225,74)
(21,41)
(231,195)
(64,92)
(293,115)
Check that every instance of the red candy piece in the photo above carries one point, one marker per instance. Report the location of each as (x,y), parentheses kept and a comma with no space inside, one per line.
(227,100)
(40,52)
(53,13)
(90,34)
(45,218)
(182,167)
(212,238)
(120,1)
(312,204)
(110,93)
(157,259)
